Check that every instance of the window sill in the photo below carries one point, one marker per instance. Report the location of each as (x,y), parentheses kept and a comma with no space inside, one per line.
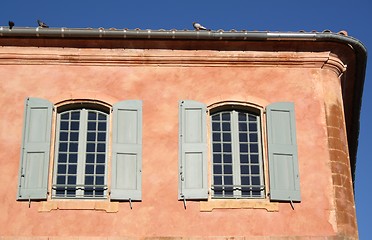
(239,204)
(109,207)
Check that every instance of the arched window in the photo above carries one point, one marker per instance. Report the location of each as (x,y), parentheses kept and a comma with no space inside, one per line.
(237,166)
(80,168)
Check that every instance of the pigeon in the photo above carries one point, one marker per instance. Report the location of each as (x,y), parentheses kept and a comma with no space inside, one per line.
(11,24)
(42,24)
(198,26)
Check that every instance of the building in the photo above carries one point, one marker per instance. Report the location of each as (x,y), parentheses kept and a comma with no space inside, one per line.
(178,134)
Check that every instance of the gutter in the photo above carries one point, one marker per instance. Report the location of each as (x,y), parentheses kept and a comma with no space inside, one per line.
(220,35)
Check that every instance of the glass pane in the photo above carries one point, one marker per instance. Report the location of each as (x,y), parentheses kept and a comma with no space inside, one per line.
(91,147)
(242,117)
(216,137)
(72,169)
(216,126)
(217,158)
(216,117)
(63,147)
(245,181)
(74,136)
(226,137)
(62,158)
(89,169)
(100,169)
(242,126)
(74,125)
(217,169)
(244,169)
(227,158)
(102,137)
(73,147)
(255,169)
(253,137)
(75,115)
(90,158)
(92,116)
(226,116)
(254,148)
(61,180)
(226,126)
(102,126)
(217,180)
(254,158)
(63,136)
(227,169)
(243,158)
(101,147)
(252,127)
(228,180)
(89,180)
(100,180)
(100,158)
(102,116)
(73,158)
(92,126)
(243,137)
(252,118)
(65,116)
(64,125)
(244,148)
(227,147)
(61,169)
(255,181)
(91,136)
(71,180)
(216,147)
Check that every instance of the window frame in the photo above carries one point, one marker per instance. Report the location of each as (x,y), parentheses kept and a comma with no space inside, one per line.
(83,108)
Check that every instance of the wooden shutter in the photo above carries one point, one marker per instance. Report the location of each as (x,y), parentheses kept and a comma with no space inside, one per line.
(192,151)
(35,152)
(283,161)
(126,173)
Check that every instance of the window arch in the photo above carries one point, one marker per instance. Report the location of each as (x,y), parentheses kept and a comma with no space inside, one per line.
(237,166)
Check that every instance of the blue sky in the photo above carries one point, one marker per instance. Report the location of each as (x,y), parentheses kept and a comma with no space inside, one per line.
(272,15)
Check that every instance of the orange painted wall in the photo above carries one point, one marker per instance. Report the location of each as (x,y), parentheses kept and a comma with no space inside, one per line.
(156,78)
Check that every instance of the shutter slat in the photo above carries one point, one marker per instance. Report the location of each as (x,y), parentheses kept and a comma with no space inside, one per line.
(192,151)
(283,160)
(126,181)
(35,152)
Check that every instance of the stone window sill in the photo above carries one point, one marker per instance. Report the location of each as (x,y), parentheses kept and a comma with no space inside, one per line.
(110,207)
(239,204)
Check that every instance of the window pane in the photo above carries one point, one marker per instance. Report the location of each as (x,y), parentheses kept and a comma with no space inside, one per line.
(64,125)
(63,136)
(89,180)
(245,181)
(63,147)
(92,126)
(73,158)
(62,157)
(101,147)
(72,169)
(91,147)
(228,180)
(216,126)
(254,148)
(252,127)
(226,126)
(91,136)
(227,169)
(255,169)
(89,169)
(65,116)
(226,116)
(100,180)
(102,137)
(227,158)
(100,158)
(217,169)
(242,117)
(216,117)
(74,125)
(74,136)
(61,180)
(253,137)
(244,169)
(254,158)
(217,180)
(243,137)
(61,169)
(71,180)
(90,158)
(242,126)
(226,137)
(244,148)
(75,115)
(92,116)
(101,116)
(216,147)
(100,169)
(216,137)
(73,147)
(227,147)
(102,126)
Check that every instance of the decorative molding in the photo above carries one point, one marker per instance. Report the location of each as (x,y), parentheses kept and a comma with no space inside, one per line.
(209,205)
(110,207)
(150,57)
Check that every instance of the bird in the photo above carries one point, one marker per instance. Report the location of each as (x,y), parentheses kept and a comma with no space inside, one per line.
(198,26)
(42,24)
(11,24)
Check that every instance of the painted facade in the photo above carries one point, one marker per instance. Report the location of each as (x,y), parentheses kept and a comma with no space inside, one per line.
(316,78)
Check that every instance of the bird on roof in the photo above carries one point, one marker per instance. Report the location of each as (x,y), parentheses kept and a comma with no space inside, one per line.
(11,24)
(42,24)
(198,26)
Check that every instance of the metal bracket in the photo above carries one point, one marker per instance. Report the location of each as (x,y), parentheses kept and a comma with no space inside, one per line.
(29,202)
(291,202)
(130,203)
(184,201)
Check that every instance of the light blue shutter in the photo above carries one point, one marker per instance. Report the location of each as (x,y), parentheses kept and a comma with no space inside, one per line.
(283,161)
(35,152)
(126,173)
(192,151)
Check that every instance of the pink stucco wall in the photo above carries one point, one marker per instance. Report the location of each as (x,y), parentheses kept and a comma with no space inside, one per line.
(161,78)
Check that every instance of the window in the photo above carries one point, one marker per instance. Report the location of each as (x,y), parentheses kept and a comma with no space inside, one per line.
(237,160)
(236,153)
(81,156)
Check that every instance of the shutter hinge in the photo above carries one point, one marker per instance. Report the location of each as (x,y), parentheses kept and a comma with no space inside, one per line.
(130,203)
(291,202)
(184,200)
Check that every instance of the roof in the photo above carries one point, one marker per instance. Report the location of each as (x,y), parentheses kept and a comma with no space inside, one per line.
(325,40)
